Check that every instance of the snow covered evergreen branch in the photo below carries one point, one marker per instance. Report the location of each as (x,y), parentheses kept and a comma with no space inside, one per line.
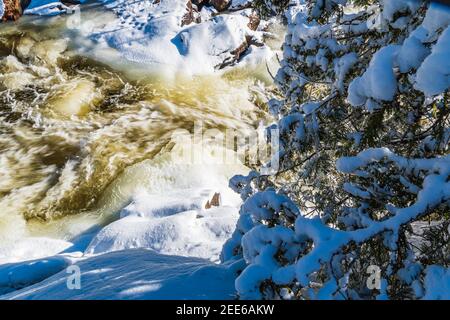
(365,131)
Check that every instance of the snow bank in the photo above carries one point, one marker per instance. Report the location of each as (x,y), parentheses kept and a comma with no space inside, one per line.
(139,274)
(48,7)
(2,8)
(168,37)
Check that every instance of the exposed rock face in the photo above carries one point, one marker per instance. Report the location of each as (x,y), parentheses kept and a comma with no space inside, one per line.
(12,10)
(220,5)
(215,201)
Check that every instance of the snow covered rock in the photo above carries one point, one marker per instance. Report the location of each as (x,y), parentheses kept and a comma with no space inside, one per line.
(217,41)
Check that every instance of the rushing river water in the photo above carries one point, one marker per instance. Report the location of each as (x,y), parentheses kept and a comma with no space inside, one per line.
(77,136)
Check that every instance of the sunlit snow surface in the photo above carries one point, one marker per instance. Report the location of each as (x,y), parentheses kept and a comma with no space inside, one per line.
(136,274)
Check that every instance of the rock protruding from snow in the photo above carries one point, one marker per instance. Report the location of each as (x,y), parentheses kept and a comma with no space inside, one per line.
(10,10)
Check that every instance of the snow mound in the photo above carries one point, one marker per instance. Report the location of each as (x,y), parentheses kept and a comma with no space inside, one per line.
(139,274)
